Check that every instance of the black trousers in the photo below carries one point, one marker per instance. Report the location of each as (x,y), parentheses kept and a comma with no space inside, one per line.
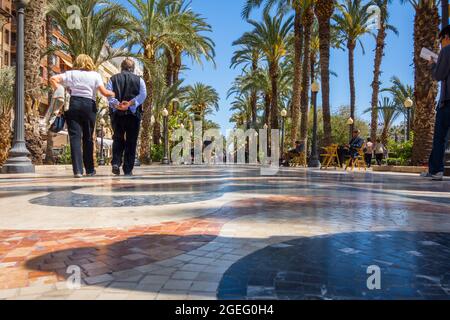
(126,133)
(81,125)
(368,158)
(379,158)
(441,130)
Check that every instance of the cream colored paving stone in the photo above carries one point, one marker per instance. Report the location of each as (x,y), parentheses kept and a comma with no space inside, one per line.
(112,296)
(198,295)
(142,296)
(85,295)
(8,293)
(167,295)
(38,289)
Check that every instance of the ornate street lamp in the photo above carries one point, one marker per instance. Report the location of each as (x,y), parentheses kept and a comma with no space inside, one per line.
(18,161)
(165,115)
(314,161)
(101,161)
(283,114)
(408,105)
(350,123)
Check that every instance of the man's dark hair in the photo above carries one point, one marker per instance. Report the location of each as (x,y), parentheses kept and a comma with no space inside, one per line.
(445,32)
(298,142)
(128,65)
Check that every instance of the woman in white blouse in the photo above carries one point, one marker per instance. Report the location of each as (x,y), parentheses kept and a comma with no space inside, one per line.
(83,82)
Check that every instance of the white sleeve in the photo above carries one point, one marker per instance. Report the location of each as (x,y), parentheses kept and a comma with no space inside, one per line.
(65,79)
(99,81)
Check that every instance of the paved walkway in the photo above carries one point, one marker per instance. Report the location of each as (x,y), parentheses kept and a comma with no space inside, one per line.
(223,232)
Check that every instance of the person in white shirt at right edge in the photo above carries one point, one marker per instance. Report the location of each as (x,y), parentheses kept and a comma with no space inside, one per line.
(83,82)
(441,72)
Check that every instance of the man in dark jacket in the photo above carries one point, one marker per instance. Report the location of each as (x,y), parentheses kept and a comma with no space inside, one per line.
(125,112)
(351,150)
(441,72)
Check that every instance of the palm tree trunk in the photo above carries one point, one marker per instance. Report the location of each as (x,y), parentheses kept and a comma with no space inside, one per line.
(5,134)
(254,98)
(34,19)
(157,132)
(273,69)
(297,87)
(176,76)
(169,68)
(379,54)
(145,146)
(267,104)
(351,72)
(385,135)
(49,157)
(324,11)
(426,26)
(306,70)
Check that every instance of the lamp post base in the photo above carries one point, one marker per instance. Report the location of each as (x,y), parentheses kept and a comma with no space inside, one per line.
(18,162)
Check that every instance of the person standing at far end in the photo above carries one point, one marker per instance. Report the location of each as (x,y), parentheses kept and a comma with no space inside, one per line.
(441,72)
(125,112)
(83,82)
(368,152)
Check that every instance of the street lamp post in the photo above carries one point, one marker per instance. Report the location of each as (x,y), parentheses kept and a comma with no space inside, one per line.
(314,161)
(408,105)
(283,122)
(165,115)
(350,123)
(101,161)
(18,161)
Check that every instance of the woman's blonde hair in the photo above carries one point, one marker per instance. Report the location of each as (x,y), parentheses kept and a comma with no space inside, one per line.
(84,62)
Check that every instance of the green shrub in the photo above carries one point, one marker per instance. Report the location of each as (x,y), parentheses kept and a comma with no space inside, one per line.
(401,151)
(65,157)
(157,152)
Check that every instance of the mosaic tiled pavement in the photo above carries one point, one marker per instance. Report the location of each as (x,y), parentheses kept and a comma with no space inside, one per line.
(223,232)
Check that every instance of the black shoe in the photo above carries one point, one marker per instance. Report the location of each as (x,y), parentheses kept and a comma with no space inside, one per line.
(130,174)
(116,170)
(92,174)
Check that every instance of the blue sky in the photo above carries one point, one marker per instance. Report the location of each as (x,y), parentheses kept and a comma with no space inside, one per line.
(225,18)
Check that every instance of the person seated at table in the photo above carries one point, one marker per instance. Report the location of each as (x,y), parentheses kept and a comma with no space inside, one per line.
(295,152)
(351,150)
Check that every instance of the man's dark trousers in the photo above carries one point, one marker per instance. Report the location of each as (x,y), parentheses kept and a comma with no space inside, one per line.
(440,139)
(126,133)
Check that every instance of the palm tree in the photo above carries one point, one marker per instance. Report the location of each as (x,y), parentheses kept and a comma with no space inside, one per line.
(308,21)
(242,110)
(299,7)
(352,25)
(152,29)
(379,53)
(270,36)
(7,78)
(249,57)
(389,111)
(101,27)
(400,92)
(192,42)
(202,99)
(324,11)
(426,26)
(34,17)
